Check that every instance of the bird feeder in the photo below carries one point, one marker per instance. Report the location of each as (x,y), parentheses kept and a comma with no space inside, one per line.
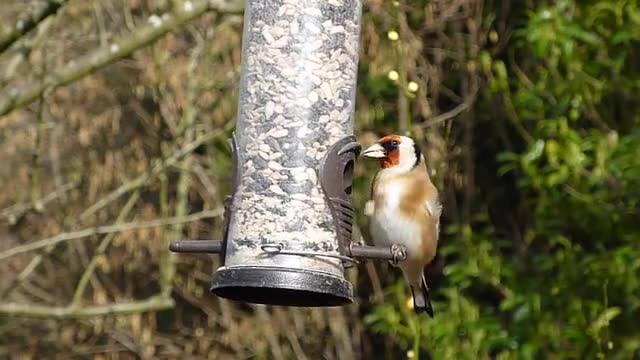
(288,221)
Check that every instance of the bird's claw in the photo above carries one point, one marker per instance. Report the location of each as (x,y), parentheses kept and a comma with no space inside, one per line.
(399,254)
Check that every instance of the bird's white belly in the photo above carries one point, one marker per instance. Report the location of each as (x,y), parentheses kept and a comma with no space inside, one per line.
(389,227)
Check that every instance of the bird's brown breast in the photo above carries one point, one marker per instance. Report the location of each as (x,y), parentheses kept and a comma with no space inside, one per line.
(416,189)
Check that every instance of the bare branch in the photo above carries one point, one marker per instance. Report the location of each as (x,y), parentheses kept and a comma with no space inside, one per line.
(274,343)
(167,258)
(153,303)
(25,50)
(107,230)
(30,22)
(102,248)
(25,273)
(463,106)
(143,178)
(15,211)
(158,26)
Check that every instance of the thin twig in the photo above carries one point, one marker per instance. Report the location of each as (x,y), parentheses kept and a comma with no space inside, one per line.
(107,230)
(27,24)
(36,291)
(25,49)
(15,211)
(12,213)
(101,28)
(14,98)
(265,320)
(340,333)
(167,259)
(145,177)
(404,63)
(295,345)
(34,176)
(102,248)
(24,274)
(166,277)
(463,106)
(153,303)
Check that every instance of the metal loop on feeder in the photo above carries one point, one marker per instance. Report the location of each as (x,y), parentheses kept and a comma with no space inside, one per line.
(275,249)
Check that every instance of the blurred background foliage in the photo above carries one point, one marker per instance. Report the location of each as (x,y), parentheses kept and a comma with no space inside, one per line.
(527,112)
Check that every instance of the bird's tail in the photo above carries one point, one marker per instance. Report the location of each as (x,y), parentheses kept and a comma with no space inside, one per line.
(421,298)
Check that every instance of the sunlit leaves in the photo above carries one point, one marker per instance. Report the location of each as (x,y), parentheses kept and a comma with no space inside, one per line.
(560,280)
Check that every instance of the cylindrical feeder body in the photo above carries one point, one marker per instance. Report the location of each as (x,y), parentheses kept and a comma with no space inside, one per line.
(297,95)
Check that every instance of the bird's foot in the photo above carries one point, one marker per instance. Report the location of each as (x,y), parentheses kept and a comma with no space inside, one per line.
(399,254)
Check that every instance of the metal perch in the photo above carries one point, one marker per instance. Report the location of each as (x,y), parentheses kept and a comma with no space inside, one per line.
(393,254)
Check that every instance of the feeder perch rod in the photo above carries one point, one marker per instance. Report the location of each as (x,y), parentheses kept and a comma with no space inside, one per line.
(196,246)
(392,253)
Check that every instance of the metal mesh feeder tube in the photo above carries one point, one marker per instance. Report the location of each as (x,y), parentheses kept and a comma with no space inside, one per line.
(289,217)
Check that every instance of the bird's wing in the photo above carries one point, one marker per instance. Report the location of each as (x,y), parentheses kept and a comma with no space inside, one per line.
(434,209)
(369,205)
(373,185)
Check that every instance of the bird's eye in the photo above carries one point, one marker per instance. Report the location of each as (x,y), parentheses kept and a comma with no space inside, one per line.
(395,143)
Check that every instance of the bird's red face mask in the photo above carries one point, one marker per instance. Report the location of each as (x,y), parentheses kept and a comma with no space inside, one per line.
(386,150)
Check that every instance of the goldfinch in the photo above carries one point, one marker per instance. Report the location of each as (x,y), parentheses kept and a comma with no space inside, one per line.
(406,210)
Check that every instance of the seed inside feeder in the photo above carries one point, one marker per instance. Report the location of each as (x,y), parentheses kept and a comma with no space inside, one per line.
(296,99)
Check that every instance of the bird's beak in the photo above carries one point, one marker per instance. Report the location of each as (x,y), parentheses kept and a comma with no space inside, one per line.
(375,151)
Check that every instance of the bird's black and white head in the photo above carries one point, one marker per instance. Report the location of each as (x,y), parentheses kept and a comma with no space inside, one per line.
(397,154)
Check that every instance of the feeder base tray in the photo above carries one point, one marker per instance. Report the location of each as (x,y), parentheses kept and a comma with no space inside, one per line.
(281,286)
